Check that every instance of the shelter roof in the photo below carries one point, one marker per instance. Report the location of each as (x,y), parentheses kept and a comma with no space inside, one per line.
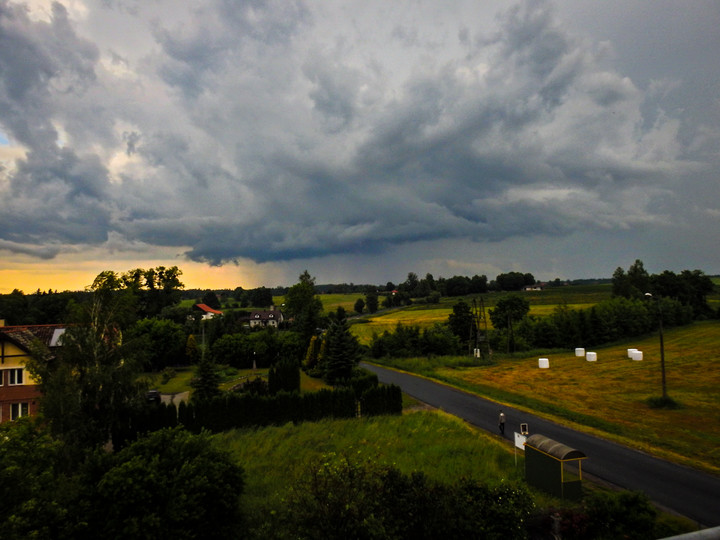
(553,448)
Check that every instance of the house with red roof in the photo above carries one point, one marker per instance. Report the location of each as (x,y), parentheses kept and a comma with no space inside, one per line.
(207,311)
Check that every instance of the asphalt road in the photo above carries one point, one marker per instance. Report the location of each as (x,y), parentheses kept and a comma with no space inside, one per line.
(686,491)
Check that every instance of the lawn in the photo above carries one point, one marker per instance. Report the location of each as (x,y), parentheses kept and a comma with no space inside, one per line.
(230,377)
(609,396)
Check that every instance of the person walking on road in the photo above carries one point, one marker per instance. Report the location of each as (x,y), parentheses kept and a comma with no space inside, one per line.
(501,422)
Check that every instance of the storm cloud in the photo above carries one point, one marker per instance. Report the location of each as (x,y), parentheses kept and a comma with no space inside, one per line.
(277,131)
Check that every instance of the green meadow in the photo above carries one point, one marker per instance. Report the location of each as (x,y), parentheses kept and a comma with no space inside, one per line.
(443,447)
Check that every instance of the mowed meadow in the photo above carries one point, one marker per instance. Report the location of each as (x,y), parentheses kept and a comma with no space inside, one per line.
(609,396)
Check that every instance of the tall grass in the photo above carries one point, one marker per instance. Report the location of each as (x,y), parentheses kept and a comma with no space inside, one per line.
(443,447)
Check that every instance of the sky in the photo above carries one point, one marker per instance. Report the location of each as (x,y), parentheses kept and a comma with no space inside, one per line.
(246,141)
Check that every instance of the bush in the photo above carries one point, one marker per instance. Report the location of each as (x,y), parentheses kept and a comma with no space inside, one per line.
(361,380)
(613,514)
(349,497)
(171,484)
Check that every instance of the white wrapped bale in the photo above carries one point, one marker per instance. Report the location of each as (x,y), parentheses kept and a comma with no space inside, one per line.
(579,351)
(591,357)
(543,363)
(637,355)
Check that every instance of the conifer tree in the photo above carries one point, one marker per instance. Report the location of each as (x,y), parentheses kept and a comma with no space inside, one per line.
(206,382)
(342,349)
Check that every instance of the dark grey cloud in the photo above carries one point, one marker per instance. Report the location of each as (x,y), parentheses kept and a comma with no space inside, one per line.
(289,131)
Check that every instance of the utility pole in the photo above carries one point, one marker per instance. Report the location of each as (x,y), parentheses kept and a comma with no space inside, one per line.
(662,345)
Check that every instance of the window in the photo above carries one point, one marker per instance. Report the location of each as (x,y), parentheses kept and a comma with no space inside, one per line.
(15,376)
(18,409)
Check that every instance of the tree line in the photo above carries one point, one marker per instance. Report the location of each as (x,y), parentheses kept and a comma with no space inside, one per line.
(638,301)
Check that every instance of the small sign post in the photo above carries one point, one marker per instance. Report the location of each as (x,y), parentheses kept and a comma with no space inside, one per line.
(520,439)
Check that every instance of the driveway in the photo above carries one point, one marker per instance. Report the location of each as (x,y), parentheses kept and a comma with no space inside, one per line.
(175,398)
(689,492)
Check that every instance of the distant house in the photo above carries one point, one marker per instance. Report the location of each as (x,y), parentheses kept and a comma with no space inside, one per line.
(208,312)
(19,392)
(266,318)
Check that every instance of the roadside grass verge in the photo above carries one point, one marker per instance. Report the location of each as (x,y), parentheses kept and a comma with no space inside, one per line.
(610,396)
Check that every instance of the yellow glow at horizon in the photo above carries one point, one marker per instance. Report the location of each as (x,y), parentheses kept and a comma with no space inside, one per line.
(66,274)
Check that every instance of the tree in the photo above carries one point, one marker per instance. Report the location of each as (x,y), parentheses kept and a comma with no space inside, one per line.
(152,290)
(457,286)
(343,350)
(284,377)
(513,281)
(478,284)
(359,305)
(32,483)
(621,284)
(163,341)
(206,382)
(639,279)
(410,285)
(171,484)
(371,301)
(462,322)
(94,380)
(508,310)
(260,297)
(210,299)
(302,305)
(192,351)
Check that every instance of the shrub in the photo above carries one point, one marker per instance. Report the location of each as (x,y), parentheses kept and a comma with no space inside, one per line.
(361,380)
(172,484)
(350,497)
(613,514)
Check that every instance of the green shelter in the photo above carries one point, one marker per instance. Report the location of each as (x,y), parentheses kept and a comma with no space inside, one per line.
(553,467)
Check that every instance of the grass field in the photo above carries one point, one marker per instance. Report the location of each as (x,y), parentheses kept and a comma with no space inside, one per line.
(542,304)
(609,396)
(443,447)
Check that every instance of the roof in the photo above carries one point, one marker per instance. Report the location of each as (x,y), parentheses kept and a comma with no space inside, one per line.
(24,336)
(266,315)
(208,309)
(553,448)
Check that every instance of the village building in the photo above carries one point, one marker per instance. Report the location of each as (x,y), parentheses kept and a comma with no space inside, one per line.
(207,311)
(19,392)
(272,317)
